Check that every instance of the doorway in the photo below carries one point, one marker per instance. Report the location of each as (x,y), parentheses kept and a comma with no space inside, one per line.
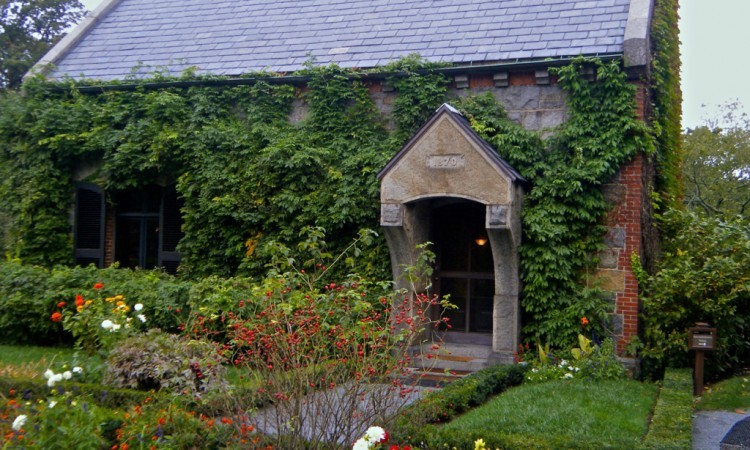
(464,269)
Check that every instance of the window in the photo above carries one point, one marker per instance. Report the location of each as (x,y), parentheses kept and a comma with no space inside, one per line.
(145,226)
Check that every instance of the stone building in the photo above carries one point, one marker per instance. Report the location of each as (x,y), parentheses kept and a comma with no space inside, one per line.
(446,185)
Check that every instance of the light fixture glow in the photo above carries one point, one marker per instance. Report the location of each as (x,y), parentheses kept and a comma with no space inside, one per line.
(481,241)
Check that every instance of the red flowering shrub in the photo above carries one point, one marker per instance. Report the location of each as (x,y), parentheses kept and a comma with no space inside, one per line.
(335,355)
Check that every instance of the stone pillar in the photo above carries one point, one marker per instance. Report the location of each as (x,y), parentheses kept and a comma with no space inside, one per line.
(504,232)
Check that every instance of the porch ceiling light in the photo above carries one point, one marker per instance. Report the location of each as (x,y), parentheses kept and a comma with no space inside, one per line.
(481,241)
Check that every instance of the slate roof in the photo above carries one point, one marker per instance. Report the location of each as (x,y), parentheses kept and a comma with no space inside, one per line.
(232,37)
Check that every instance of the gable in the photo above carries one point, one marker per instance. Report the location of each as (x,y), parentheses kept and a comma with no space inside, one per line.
(448,159)
(226,37)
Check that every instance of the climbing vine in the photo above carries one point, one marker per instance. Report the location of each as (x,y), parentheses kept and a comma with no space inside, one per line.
(667,100)
(249,176)
(564,210)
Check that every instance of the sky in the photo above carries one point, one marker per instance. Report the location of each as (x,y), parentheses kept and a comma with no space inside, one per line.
(714,35)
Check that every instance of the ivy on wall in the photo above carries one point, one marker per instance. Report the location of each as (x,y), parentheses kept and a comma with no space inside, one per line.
(667,100)
(245,173)
(248,176)
(564,210)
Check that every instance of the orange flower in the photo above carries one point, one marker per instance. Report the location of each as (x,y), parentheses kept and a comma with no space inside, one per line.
(79,300)
(584,321)
(61,305)
(98,286)
(56,317)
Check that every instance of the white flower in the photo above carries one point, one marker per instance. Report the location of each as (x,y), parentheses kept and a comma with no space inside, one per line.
(115,327)
(563,363)
(52,403)
(48,374)
(142,318)
(67,375)
(138,307)
(54,379)
(375,434)
(568,376)
(77,370)
(19,422)
(107,324)
(361,444)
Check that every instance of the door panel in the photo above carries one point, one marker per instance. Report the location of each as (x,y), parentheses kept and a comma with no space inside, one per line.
(464,267)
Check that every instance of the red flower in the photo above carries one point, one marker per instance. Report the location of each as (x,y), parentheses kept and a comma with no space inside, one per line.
(56,317)
(79,300)
(584,321)
(61,305)
(98,285)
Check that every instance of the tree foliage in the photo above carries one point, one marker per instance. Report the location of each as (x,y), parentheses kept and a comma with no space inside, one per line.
(704,276)
(28,28)
(716,166)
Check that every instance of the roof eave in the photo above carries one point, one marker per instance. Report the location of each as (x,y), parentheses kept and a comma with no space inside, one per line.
(70,40)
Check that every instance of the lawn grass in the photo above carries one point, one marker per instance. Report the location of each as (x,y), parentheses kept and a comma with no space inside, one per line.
(601,414)
(29,362)
(727,395)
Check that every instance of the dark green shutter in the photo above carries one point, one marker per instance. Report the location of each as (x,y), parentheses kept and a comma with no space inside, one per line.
(89,225)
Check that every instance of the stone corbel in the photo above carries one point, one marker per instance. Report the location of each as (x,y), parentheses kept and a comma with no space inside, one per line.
(391,215)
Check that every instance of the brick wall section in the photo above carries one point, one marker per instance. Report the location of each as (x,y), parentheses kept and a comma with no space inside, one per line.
(629,192)
(624,239)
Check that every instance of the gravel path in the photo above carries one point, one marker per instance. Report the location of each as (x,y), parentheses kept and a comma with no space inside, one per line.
(340,414)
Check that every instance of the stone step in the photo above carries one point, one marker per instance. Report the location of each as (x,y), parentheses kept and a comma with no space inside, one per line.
(452,357)
(437,378)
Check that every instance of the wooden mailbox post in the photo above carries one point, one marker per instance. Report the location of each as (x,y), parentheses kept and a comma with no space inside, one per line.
(701,338)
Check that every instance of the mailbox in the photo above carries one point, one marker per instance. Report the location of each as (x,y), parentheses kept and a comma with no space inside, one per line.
(702,337)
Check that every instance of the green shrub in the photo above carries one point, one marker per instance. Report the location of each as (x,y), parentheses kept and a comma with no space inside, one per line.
(702,277)
(162,361)
(26,305)
(455,398)
(29,295)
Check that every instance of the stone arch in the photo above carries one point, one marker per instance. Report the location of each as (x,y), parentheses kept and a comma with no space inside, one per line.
(446,159)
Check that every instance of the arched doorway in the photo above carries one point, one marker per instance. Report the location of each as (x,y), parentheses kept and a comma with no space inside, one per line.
(448,186)
(464,269)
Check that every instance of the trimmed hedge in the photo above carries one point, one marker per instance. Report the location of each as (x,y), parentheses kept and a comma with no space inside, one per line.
(29,295)
(104,396)
(214,403)
(415,424)
(672,423)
